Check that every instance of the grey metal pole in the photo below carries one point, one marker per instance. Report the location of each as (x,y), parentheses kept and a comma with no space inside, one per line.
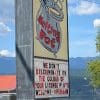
(24,49)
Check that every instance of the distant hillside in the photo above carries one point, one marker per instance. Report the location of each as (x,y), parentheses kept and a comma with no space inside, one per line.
(79,62)
(7,65)
(78,66)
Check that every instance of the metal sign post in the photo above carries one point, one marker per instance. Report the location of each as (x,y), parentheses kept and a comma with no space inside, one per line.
(24,49)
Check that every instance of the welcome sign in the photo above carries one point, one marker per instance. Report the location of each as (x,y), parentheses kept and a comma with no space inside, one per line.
(50,48)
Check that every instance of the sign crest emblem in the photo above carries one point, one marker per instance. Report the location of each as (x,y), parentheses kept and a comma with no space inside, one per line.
(48,28)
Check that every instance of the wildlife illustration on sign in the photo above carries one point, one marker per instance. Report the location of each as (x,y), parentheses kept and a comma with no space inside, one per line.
(48,19)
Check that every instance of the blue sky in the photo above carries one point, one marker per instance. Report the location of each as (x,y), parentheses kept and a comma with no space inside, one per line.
(84,17)
(7,28)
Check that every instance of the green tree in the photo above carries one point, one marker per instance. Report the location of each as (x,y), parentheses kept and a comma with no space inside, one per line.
(94,66)
(98,41)
(94,73)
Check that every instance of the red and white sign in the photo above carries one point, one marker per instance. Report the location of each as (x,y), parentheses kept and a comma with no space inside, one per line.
(50,49)
(51,78)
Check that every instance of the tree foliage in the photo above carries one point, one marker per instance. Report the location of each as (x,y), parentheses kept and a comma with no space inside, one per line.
(94,66)
(98,41)
(94,72)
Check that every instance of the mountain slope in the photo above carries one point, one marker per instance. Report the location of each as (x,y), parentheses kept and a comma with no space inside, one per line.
(7,65)
(79,62)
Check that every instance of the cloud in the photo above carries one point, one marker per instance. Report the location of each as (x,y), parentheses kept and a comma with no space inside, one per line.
(4,28)
(7,53)
(85,8)
(7,11)
(96,23)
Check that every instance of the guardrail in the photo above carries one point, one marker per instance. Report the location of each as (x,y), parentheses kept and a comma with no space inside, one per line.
(7,96)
